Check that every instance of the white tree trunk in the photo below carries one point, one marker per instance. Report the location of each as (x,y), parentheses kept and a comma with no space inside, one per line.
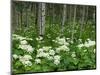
(74,19)
(82,21)
(70,15)
(41,18)
(64,16)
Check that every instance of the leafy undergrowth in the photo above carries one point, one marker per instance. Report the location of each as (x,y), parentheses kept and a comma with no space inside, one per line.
(51,53)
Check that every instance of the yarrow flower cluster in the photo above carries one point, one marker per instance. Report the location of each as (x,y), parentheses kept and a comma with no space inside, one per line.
(63,45)
(15,56)
(43,52)
(25,60)
(24,46)
(87,43)
(39,38)
(37,61)
(73,54)
(18,37)
(56,59)
(62,48)
(23,43)
(50,54)
(61,41)
(27,48)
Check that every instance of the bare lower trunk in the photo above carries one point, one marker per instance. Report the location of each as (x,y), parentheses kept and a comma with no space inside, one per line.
(64,17)
(82,21)
(74,19)
(41,18)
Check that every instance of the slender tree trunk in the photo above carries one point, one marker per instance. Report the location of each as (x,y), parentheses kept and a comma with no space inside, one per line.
(70,15)
(94,16)
(41,18)
(63,17)
(21,19)
(86,18)
(53,15)
(50,17)
(37,18)
(13,17)
(82,21)
(74,19)
(26,17)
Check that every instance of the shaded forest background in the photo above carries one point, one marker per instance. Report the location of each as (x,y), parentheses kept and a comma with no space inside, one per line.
(55,18)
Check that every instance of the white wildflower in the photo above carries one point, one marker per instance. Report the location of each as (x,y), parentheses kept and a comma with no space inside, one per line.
(64,48)
(61,41)
(89,43)
(21,38)
(39,38)
(73,54)
(67,38)
(58,50)
(46,48)
(29,38)
(80,40)
(28,63)
(94,50)
(71,42)
(27,57)
(21,59)
(52,52)
(37,61)
(56,62)
(23,46)
(86,44)
(49,58)
(42,54)
(40,50)
(15,56)
(18,37)
(46,55)
(85,50)
(24,58)
(28,48)
(23,42)
(80,45)
(56,57)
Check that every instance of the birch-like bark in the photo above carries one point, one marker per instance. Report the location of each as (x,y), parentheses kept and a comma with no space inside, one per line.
(21,14)
(74,19)
(13,21)
(26,16)
(86,18)
(41,18)
(63,17)
(70,15)
(94,15)
(82,21)
(53,15)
